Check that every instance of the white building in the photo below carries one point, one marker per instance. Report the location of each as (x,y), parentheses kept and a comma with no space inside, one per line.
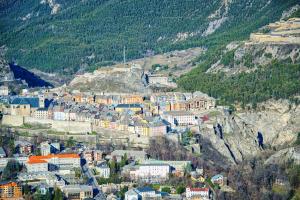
(59,114)
(52,162)
(4,91)
(41,113)
(103,170)
(142,193)
(49,148)
(180,118)
(37,166)
(151,172)
(79,192)
(203,193)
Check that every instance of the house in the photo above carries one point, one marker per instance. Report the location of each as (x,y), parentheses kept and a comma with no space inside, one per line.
(52,162)
(49,148)
(218,179)
(103,170)
(88,155)
(78,192)
(10,190)
(4,91)
(24,147)
(129,107)
(92,155)
(201,193)
(142,193)
(157,128)
(151,173)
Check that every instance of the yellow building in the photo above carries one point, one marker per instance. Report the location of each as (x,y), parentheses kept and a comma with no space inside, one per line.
(21,110)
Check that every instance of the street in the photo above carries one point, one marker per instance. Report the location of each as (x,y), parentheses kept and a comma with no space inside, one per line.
(98,194)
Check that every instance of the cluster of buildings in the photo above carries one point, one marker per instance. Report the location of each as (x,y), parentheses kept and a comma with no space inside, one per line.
(141,114)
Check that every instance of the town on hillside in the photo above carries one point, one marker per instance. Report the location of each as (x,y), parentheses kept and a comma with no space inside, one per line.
(79,145)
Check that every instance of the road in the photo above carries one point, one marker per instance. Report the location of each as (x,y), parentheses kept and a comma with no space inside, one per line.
(98,194)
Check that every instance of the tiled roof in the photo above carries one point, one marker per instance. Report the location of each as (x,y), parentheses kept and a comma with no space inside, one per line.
(36,161)
(8,184)
(144,189)
(40,159)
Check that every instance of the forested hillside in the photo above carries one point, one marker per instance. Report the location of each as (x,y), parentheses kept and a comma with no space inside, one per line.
(66,35)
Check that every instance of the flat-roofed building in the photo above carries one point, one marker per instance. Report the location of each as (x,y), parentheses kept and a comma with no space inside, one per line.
(78,192)
(151,173)
(41,113)
(180,118)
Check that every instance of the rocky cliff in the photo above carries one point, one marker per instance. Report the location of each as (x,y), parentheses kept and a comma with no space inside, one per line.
(236,136)
(5,73)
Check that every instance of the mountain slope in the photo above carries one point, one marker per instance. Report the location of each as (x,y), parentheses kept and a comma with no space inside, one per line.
(245,73)
(65,36)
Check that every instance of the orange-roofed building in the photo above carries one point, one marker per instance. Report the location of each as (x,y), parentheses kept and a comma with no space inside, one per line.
(52,162)
(10,191)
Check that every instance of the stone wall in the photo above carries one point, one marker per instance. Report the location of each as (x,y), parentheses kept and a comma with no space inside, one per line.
(12,120)
(62,126)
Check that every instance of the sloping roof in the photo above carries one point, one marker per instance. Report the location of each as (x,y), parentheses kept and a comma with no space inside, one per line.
(40,159)
(144,189)
(218,176)
(8,184)
(36,161)
(32,101)
(128,106)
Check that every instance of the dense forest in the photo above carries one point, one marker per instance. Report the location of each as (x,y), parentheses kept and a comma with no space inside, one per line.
(277,80)
(84,34)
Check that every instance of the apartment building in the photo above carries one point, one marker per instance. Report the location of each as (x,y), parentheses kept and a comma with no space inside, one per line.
(10,191)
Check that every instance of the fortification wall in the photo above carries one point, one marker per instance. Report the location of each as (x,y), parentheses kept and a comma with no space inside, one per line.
(12,120)
(62,126)
(274,38)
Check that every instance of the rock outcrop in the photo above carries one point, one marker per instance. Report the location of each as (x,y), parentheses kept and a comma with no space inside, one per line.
(5,72)
(237,134)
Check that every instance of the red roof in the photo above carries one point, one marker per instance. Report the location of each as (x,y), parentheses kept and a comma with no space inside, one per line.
(36,161)
(43,159)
